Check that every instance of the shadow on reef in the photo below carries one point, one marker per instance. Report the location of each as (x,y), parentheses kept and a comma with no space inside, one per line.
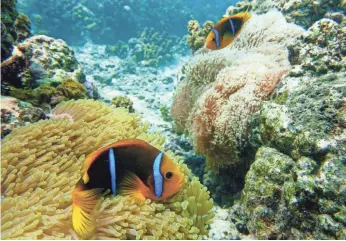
(224,186)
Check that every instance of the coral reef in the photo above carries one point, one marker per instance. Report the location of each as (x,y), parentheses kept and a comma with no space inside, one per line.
(71,89)
(319,50)
(152,48)
(197,35)
(302,12)
(43,162)
(165,113)
(15,113)
(120,49)
(46,95)
(22,27)
(51,56)
(14,27)
(123,101)
(149,88)
(222,89)
(295,189)
(156,48)
(41,60)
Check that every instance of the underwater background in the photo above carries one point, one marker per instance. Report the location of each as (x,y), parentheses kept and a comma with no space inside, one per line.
(258,128)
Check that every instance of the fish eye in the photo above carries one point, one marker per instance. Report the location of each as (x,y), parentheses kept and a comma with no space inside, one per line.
(169,175)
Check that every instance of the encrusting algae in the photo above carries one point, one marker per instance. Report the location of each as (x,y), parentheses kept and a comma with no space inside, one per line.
(42,162)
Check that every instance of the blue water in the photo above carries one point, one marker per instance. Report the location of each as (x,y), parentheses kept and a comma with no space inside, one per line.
(107,21)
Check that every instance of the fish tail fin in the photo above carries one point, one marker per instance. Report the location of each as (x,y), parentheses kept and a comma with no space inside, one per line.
(247,10)
(84,202)
(244,15)
(247,15)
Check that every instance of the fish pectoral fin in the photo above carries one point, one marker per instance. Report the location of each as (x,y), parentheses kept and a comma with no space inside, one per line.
(133,186)
(84,202)
(85,178)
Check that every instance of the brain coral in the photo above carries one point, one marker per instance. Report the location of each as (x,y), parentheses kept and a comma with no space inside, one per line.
(215,106)
(42,162)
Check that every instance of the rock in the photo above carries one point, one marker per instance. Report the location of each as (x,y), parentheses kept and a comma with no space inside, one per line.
(311,120)
(284,199)
(14,27)
(320,50)
(54,56)
(294,188)
(38,60)
(222,228)
(301,12)
(15,113)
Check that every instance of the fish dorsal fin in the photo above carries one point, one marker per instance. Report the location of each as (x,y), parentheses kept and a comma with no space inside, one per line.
(91,158)
(84,202)
(133,186)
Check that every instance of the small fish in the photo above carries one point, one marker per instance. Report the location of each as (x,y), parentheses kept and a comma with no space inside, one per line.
(129,167)
(127,8)
(226,30)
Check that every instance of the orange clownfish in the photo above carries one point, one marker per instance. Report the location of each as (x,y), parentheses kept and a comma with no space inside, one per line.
(129,167)
(226,30)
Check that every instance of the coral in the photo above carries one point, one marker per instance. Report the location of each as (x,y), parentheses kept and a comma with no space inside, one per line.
(38,60)
(54,56)
(301,12)
(123,101)
(151,48)
(222,89)
(120,49)
(197,35)
(295,189)
(41,164)
(155,49)
(28,95)
(165,113)
(48,95)
(288,199)
(71,89)
(309,122)
(319,50)
(15,113)
(14,27)
(22,27)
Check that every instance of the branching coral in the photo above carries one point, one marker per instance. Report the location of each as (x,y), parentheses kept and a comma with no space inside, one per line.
(41,164)
(123,101)
(198,35)
(156,48)
(224,88)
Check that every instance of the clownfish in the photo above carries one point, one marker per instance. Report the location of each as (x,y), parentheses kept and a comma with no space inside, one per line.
(226,30)
(129,167)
